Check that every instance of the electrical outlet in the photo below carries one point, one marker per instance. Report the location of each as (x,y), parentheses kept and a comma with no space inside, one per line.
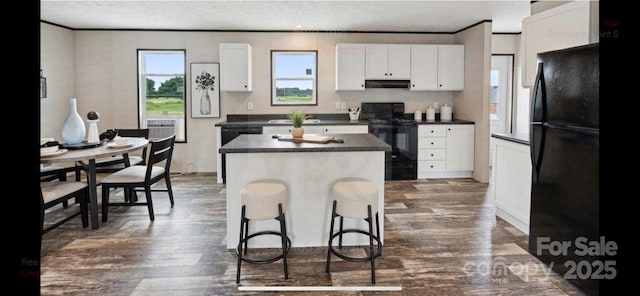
(250,106)
(337,105)
(343,105)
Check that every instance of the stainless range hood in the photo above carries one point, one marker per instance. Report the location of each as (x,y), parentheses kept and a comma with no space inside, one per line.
(386,84)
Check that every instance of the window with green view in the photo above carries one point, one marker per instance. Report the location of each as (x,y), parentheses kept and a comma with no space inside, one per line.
(162,93)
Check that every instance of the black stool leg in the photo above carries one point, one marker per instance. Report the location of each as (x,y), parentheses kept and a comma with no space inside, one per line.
(333,216)
(283,236)
(378,235)
(340,238)
(371,254)
(246,233)
(242,221)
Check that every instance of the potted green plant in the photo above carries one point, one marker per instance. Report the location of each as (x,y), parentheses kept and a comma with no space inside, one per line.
(297,118)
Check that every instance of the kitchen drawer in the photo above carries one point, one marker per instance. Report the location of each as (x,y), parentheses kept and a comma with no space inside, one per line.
(432,130)
(432,165)
(432,154)
(428,143)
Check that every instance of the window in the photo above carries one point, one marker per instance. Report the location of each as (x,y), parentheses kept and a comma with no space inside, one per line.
(161,95)
(294,78)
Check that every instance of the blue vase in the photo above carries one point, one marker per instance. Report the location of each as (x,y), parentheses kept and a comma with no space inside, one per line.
(73,129)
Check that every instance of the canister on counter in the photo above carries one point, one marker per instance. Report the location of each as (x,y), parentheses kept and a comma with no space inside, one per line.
(431,114)
(445,113)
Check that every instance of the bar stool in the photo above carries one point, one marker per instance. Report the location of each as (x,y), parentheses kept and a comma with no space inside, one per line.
(263,200)
(358,199)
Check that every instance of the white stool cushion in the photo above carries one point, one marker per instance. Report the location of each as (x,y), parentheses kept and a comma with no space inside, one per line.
(352,198)
(261,200)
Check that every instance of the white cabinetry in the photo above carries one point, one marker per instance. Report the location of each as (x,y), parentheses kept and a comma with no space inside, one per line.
(437,67)
(346,129)
(388,61)
(510,182)
(568,25)
(349,66)
(235,67)
(460,143)
(445,151)
(317,129)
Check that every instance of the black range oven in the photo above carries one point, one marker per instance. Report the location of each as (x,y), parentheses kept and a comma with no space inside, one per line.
(387,122)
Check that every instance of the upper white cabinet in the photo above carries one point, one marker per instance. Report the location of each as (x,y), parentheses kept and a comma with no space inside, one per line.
(235,67)
(349,66)
(437,67)
(388,61)
(568,25)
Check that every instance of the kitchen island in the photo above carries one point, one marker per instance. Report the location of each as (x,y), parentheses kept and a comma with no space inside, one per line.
(308,170)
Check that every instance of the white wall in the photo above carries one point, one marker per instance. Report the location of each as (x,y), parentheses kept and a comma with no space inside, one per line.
(99,69)
(473,102)
(106,78)
(58,64)
(510,44)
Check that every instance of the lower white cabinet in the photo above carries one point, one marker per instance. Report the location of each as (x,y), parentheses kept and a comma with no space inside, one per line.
(317,129)
(445,150)
(510,182)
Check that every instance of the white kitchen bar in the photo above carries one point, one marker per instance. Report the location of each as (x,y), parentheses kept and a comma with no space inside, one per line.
(308,170)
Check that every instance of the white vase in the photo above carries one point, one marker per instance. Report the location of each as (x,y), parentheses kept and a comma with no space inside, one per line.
(205,102)
(73,129)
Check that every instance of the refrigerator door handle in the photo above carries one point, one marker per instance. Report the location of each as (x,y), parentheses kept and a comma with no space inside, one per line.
(538,116)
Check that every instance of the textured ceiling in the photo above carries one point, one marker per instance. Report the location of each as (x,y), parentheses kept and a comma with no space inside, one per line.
(391,16)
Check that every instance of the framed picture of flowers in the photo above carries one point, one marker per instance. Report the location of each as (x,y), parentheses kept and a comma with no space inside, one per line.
(205,90)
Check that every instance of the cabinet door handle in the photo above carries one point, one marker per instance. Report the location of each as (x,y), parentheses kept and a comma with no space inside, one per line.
(289,130)
(432,131)
(440,85)
(326,130)
(245,86)
(361,85)
(431,143)
(390,74)
(431,166)
(449,128)
(385,74)
(413,85)
(432,154)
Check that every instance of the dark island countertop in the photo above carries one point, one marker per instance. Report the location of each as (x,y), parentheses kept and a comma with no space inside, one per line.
(253,143)
(516,138)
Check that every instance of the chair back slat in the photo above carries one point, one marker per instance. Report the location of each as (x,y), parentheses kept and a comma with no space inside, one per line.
(136,133)
(161,150)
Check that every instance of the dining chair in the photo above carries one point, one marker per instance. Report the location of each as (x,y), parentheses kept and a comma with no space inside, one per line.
(142,176)
(117,162)
(54,193)
(54,172)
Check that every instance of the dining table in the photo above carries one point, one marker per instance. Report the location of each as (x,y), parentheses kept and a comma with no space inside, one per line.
(86,156)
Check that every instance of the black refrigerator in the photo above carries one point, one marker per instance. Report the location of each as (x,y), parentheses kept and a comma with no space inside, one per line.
(564,143)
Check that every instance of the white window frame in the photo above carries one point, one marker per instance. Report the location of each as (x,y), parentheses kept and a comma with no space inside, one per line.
(181,130)
(314,78)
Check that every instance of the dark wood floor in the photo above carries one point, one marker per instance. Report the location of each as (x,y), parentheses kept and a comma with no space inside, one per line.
(441,238)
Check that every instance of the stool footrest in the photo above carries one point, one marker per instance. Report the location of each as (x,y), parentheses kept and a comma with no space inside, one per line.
(354,259)
(263,261)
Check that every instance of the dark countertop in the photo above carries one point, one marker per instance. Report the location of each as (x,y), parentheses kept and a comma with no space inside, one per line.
(516,138)
(247,143)
(258,120)
(453,121)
